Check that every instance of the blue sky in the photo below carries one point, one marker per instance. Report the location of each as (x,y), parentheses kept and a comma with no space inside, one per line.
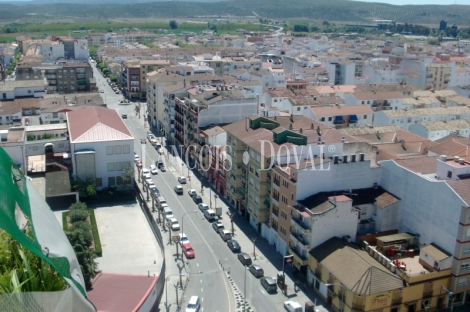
(400,2)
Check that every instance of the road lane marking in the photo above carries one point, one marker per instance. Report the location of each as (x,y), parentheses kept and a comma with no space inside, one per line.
(202,289)
(208,245)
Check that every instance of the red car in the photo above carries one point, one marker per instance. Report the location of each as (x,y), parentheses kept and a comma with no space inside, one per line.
(188,251)
(138,163)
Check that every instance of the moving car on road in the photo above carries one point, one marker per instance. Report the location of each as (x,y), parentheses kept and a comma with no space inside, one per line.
(153,169)
(193,304)
(188,251)
(179,190)
(124,116)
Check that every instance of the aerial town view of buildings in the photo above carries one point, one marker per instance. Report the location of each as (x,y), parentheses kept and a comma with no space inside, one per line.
(333,167)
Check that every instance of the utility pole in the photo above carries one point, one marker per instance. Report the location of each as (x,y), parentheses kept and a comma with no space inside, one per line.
(180,268)
(232,215)
(177,301)
(254,247)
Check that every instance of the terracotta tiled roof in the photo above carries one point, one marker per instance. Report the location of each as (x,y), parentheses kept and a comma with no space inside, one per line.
(93,124)
(424,164)
(368,276)
(120,292)
(462,188)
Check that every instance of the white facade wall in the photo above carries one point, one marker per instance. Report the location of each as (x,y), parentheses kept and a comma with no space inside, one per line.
(444,168)
(104,162)
(338,222)
(16,151)
(362,119)
(52,52)
(81,52)
(7,119)
(339,176)
(33,148)
(429,208)
(227,111)
(443,264)
(435,135)
(49,118)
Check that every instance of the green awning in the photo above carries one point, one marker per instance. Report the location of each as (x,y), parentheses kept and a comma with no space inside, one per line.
(267,203)
(81,82)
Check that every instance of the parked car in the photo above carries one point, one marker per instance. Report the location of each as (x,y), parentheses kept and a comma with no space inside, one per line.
(148,179)
(153,169)
(138,163)
(155,191)
(150,136)
(188,251)
(233,245)
(192,193)
(203,207)
(292,306)
(153,141)
(182,180)
(226,235)
(150,184)
(244,258)
(136,157)
(256,270)
(175,226)
(217,226)
(183,239)
(178,190)
(102,91)
(197,199)
(269,284)
(160,151)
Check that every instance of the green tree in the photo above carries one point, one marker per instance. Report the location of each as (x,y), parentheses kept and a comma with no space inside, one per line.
(85,188)
(30,137)
(173,24)
(47,136)
(85,256)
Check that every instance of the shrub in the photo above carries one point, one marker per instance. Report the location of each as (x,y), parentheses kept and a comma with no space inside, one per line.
(81,225)
(78,215)
(78,206)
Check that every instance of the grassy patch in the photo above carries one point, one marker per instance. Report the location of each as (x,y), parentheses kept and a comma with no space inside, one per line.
(65,225)
(4,39)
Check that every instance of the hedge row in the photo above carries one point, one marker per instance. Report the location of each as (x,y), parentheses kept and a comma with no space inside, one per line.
(94,229)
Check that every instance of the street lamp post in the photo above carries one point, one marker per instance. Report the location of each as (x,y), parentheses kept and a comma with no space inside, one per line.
(341,300)
(286,258)
(182,220)
(244,290)
(451,296)
(166,288)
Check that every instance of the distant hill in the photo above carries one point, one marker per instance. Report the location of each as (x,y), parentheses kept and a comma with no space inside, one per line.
(330,10)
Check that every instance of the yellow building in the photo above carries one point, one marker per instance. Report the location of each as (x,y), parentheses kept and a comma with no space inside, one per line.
(352,280)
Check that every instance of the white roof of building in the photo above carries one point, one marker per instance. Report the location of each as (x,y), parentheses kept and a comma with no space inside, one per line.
(427,111)
(446,125)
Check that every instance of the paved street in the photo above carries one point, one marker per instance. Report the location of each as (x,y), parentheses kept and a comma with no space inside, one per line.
(207,272)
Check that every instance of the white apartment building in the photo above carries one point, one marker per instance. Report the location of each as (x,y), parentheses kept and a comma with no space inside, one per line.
(101,146)
(338,116)
(435,210)
(436,130)
(405,118)
(384,100)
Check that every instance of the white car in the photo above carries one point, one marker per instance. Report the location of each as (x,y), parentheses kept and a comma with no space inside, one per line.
(182,180)
(146,173)
(292,306)
(153,169)
(175,226)
(136,157)
(149,180)
(183,239)
(151,185)
(192,193)
(160,151)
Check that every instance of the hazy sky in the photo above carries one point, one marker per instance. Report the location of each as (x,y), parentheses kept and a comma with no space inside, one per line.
(400,2)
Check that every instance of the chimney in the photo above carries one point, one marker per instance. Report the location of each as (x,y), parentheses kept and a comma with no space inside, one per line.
(311,126)
(456,159)
(462,161)
(443,158)
(290,127)
(345,159)
(353,158)
(301,131)
(335,159)
(361,157)
(318,130)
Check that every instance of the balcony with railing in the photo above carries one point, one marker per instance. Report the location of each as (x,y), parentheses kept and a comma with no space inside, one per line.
(277,182)
(301,227)
(299,240)
(303,260)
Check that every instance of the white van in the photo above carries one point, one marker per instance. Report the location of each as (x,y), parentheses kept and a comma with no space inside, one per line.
(209,214)
(193,304)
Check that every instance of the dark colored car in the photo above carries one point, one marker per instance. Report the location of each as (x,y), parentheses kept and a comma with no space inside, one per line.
(233,245)
(159,164)
(124,116)
(244,258)
(256,270)
(197,199)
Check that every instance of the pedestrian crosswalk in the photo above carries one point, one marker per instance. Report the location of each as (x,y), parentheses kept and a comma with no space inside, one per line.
(171,169)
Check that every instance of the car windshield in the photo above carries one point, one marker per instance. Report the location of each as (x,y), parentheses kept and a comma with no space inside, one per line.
(189,249)
(191,306)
